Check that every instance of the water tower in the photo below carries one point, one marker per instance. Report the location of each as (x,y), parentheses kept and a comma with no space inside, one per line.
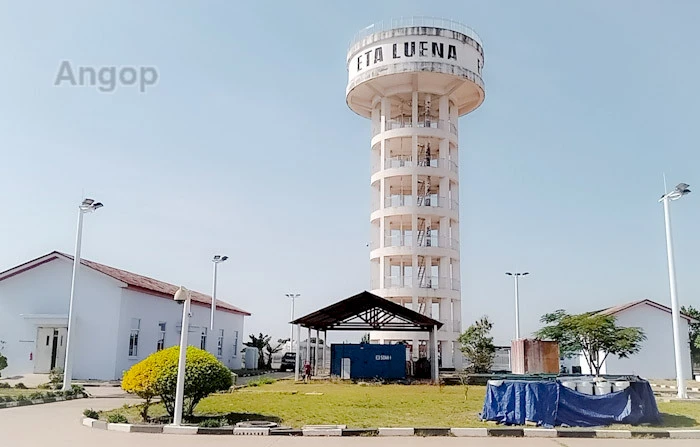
(413,78)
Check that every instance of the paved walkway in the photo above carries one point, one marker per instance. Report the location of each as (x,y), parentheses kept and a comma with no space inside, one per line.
(58,425)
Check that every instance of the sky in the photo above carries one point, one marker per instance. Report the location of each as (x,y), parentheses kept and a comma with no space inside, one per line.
(245,147)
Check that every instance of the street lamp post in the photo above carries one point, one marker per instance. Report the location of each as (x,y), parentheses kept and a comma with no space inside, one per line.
(88,206)
(517,302)
(677,193)
(182,296)
(217,260)
(293,296)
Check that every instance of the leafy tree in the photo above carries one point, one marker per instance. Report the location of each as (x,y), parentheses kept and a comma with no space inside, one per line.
(3,359)
(270,350)
(594,335)
(259,342)
(694,332)
(477,346)
(365,338)
(156,375)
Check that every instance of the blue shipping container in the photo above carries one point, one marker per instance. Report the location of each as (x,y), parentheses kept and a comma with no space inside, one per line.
(367,361)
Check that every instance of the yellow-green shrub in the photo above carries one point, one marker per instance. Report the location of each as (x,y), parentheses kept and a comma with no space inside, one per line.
(156,375)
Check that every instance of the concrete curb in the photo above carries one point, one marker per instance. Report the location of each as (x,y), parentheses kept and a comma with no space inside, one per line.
(674,388)
(45,400)
(481,432)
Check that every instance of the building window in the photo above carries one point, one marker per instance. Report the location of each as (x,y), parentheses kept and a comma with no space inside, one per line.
(235,343)
(220,344)
(134,337)
(203,340)
(161,338)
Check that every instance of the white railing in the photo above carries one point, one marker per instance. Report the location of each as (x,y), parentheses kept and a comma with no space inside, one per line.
(407,123)
(427,282)
(428,201)
(406,161)
(404,22)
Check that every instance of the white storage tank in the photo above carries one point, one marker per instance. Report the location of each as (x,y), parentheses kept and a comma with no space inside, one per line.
(251,357)
(620,385)
(602,388)
(584,387)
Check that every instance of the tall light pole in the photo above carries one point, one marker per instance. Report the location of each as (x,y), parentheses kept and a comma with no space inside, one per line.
(182,296)
(88,206)
(217,260)
(293,296)
(677,193)
(517,302)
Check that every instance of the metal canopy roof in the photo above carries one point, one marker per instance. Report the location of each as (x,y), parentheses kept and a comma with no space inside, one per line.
(366,311)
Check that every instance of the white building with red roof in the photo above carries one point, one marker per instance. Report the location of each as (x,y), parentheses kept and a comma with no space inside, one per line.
(656,359)
(121,318)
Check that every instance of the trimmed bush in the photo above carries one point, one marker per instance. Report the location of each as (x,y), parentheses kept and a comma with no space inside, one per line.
(156,375)
(36,395)
(117,418)
(20,386)
(213,423)
(90,413)
(5,385)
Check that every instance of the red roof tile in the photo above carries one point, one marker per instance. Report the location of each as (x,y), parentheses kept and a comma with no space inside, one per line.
(133,280)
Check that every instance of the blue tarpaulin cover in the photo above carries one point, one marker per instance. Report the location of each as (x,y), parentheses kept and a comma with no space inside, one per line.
(550,404)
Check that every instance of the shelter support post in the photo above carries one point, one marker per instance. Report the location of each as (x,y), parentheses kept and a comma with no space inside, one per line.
(296,360)
(318,336)
(308,347)
(434,371)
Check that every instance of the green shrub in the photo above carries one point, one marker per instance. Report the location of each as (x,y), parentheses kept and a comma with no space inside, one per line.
(262,381)
(211,423)
(90,413)
(156,375)
(21,397)
(117,418)
(45,386)
(56,378)
(3,359)
(36,395)
(20,386)
(5,385)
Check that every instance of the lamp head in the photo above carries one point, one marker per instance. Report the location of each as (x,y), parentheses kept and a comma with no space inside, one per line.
(219,258)
(509,274)
(181,295)
(89,205)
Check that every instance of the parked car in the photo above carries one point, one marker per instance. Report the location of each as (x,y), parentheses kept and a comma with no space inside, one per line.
(288,361)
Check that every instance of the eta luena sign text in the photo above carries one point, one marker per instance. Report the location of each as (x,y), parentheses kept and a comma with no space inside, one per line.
(408,50)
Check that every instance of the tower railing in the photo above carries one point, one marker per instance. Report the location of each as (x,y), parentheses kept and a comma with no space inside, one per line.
(426,282)
(406,161)
(401,124)
(407,241)
(405,22)
(431,201)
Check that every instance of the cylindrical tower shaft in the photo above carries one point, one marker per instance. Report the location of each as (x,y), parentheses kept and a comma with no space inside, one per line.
(413,79)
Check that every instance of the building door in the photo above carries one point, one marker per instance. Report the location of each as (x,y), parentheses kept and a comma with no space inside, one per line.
(50,349)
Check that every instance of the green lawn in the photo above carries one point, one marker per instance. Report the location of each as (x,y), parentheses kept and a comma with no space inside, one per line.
(15,392)
(372,406)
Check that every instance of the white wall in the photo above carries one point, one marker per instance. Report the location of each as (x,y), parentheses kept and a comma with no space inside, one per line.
(153,309)
(103,315)
(46,290)
(656,360)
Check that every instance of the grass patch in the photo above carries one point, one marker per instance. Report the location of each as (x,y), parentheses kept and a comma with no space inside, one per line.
(14,392)
(370,406)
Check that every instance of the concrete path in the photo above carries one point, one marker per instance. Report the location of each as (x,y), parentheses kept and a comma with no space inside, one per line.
(58,425)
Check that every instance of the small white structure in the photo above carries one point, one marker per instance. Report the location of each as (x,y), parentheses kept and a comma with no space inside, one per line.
(121,318)
(656,358)
(413,78)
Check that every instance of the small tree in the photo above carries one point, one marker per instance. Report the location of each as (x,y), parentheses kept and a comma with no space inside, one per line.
(694,332)
(156,375)
(365,338)
(3,359)
(477,346)
(594,335)
(270,350)
(259,342)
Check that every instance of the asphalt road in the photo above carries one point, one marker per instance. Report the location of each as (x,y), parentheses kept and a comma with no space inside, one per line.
(59,425)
